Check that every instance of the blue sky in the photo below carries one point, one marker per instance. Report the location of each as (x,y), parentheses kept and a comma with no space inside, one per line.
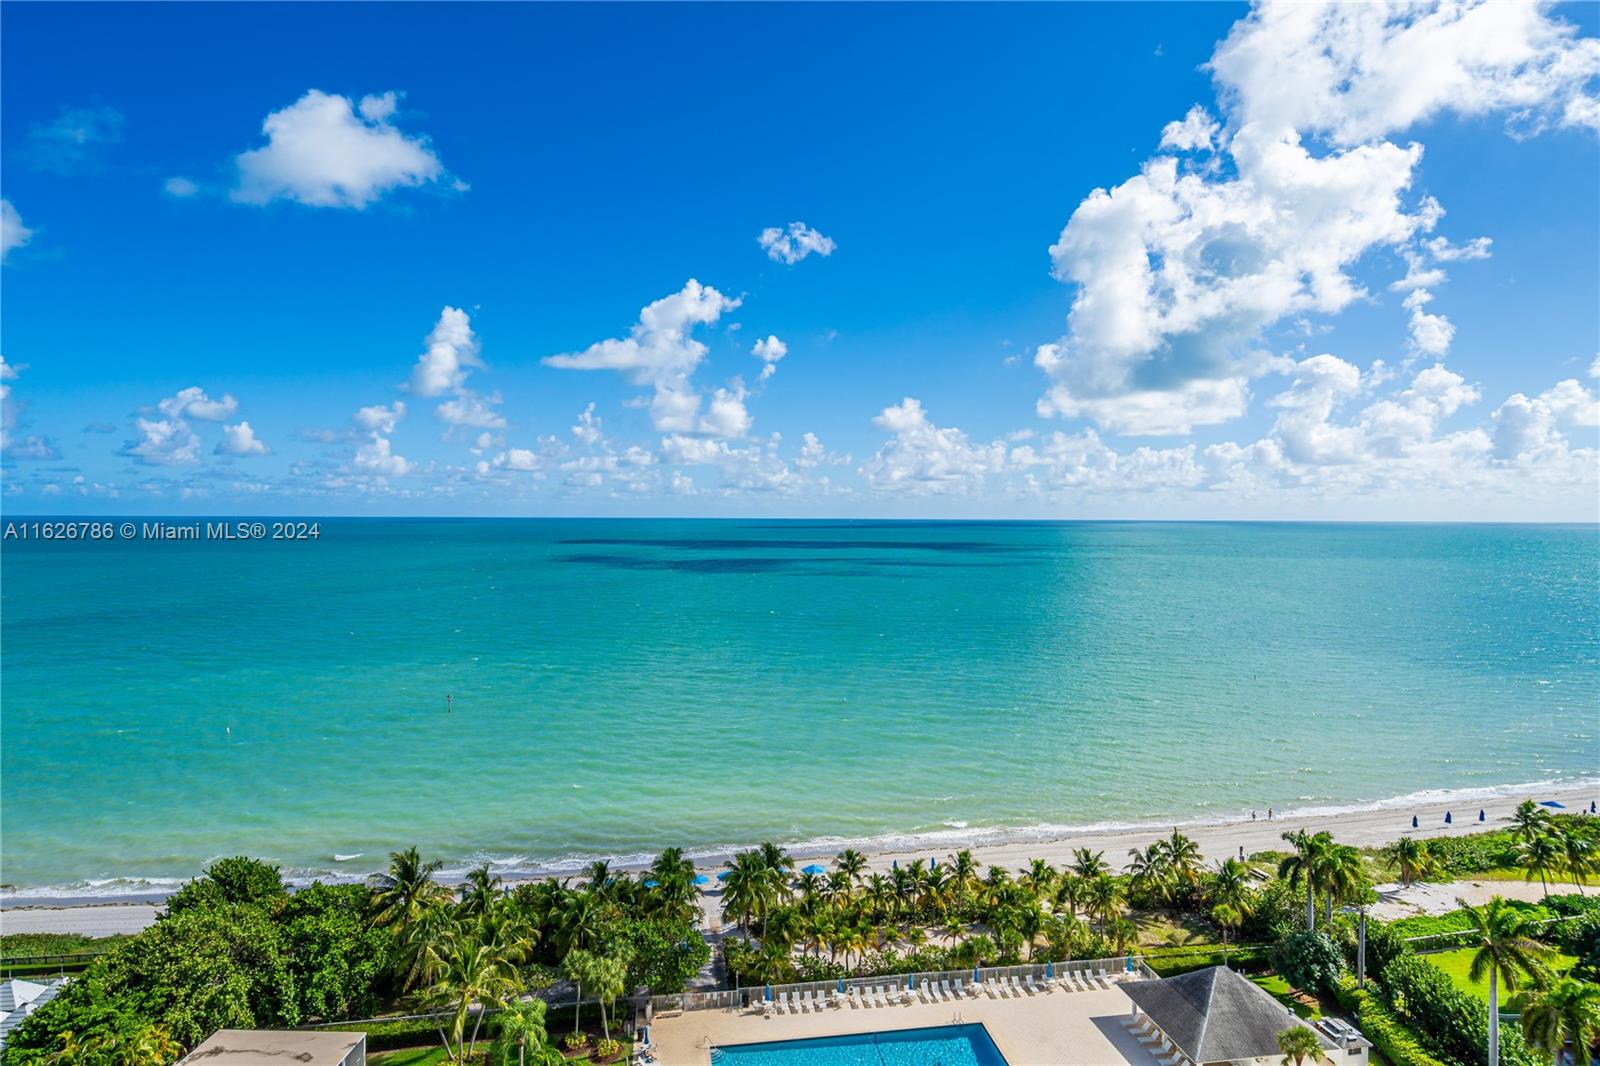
(1318,296)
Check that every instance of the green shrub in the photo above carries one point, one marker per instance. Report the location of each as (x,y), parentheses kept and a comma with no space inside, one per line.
(1396,1043)
(1310,961)
(607,1048)
(574,1041)
(1450,1023)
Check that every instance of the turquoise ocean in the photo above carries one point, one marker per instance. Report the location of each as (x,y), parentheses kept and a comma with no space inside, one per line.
(621,685)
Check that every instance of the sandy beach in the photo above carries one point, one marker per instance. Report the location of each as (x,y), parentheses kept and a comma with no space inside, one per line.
(1217,841)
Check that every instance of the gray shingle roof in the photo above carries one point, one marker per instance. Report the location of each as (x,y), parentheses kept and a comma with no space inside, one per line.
(1215,1015)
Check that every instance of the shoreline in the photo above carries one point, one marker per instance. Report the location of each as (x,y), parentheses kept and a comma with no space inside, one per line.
(1371,825)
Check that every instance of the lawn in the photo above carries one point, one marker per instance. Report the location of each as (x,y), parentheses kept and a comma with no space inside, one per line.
(1285,994)
(1456,963)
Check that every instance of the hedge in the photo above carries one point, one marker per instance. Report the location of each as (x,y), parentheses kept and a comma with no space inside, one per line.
(1453,1023)
(1396,1043)
(1251,959)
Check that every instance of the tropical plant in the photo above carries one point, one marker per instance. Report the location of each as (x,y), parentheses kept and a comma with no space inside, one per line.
(522,1038)
(1562,1015)
(1299,1043)
(471,974)
(1305,866)
(407,890)
(1578,852)
(1503,953)
(1542,856)
(1529,821)
(1411,860)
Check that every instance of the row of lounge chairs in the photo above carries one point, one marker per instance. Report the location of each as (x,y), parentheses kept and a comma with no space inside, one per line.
(930,991)
(1155,1041)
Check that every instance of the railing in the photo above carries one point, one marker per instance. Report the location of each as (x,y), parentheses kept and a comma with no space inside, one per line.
(733,999)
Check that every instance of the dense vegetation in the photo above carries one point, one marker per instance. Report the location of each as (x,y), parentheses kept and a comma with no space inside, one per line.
(236,948)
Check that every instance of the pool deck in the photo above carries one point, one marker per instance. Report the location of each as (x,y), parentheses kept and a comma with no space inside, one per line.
(1056,1028)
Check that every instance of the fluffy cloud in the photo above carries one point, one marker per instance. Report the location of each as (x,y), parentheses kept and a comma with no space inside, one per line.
(794,244)
(1179,270)
(13,234)
(753,467)
(470,409)
(193,402)
(29,446)
(1196,132)
(377,456)
(164,442)
(1527,428)
(380,419)
(769,350)
(1354,72)
(921,457)
(660,351)
(74,141)
(241,440)
(325,151)
(1430,334)
(451,353)
(726,414)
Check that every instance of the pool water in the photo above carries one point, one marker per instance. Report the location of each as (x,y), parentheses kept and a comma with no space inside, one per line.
(945,1045)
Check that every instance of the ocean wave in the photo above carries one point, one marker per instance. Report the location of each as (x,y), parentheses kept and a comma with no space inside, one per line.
(953,834)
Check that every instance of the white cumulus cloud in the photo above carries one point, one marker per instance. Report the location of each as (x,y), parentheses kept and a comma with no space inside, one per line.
(241,440)
(769,350)
(13,234)
(325,151)
(794,243)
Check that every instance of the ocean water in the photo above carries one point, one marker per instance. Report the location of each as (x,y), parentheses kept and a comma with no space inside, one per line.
(618,686)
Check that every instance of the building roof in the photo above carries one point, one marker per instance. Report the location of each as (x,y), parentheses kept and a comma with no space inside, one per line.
(18,999)
(1215,1015)
(239,1047)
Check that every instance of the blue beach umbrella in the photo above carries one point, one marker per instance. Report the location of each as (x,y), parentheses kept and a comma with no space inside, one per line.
(894,864)
(975,976)
(813,869)
(1481,815)
(724,875)
(1446,817)
(1413,821)
(652,883)
(701,879)
(1591,806)
(841,986)
(1554,804)
(769,991)
(1049,971)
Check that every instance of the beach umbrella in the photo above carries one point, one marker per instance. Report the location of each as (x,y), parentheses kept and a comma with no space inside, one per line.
(652,883)
(813,869)
(1446,817)
(841,986)
(701,879)
(769,992)
(724,875)
(1480,814)
(1554,804)
(894,864)
(1049,971)
(1413,821)
(1591,806)
(975,976)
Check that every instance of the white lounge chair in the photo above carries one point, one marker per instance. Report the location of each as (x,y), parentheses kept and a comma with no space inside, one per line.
(963,989)
(1016,985)
(1032,988)
(878,998)
(945,991)
(810,1003)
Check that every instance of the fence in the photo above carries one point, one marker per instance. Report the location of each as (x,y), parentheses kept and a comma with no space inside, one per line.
(734,999)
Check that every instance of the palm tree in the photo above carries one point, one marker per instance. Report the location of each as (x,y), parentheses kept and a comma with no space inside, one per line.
(1305,866)
(576,966)
(472,973)
(1227,916)
(1528,821)
(480,891)
(748,890)
(1503,953)
(522,1026)
(963,870)
(1561,1015)
(608,979)
(1344,876)
(407,889)
(1299,1043)
(851,862)
(1149,871)
(1411,860)
(1089,864)
(1104,899)
(1543,856)
(1183,859)
(1577,846)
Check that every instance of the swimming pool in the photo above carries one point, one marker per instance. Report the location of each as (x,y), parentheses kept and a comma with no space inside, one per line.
(944,1045)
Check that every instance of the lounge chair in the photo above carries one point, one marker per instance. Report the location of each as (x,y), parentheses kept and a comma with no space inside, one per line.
(1016,985)
(878,998)
(810,1004)
(1032,988)
(852,996)
(945,991)
(964,990)
(1104,977)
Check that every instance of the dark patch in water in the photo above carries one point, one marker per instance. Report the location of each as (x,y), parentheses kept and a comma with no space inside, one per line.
(760,564)
(705,544)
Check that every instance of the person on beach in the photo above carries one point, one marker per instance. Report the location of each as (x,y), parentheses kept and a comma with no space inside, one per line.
(1252,816)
